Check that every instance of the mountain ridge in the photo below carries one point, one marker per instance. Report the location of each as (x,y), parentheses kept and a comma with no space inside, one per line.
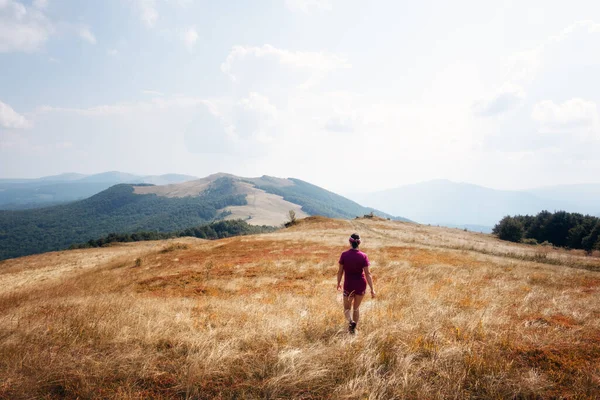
(129,208)
(449,203)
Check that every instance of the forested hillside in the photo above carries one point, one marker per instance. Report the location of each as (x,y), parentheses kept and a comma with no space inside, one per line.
(116,209)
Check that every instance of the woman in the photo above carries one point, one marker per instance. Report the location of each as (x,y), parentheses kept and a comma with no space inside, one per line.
(354,265)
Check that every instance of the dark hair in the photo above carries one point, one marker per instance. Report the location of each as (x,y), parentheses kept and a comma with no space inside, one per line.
(355,240)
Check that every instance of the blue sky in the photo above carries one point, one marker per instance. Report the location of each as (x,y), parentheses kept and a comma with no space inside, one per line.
(349,95)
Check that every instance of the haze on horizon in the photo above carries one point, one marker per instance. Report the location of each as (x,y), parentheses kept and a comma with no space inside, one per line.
(346,95)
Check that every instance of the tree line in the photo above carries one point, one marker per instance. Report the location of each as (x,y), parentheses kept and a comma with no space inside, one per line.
(215,230)
(561,229)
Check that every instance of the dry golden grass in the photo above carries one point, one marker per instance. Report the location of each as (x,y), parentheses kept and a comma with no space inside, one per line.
(458,315)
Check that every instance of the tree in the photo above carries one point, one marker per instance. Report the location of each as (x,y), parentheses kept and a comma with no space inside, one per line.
(292,221)
(590,241)
(510,229)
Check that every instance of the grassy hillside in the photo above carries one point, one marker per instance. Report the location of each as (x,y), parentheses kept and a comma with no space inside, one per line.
(117,209)
(458,315)
(318,201)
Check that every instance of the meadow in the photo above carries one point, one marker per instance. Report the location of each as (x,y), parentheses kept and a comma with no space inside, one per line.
(458,315)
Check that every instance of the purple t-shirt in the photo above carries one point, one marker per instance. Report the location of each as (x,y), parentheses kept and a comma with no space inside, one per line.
(354,262)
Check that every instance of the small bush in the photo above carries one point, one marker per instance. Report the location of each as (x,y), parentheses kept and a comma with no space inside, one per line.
(509,228)
(175,246)
(546,243)
(530,241)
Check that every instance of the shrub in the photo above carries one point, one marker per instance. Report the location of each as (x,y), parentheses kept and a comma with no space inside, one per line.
(509,229)
(530,241)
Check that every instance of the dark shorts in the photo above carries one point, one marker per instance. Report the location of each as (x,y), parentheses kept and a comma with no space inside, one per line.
(353,293)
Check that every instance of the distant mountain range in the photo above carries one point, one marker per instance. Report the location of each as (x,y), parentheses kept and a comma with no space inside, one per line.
(442,202)
(128,208)
(16,194)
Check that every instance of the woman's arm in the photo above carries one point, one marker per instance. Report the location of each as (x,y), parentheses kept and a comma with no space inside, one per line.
(370,281)
(339,276)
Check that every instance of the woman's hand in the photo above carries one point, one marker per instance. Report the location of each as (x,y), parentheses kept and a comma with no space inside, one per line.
(339,287)
(372,293)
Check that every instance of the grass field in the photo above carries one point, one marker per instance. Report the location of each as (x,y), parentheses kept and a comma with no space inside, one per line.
(458,315)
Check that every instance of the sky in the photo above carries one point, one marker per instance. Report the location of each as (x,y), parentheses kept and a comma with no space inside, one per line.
(350,95)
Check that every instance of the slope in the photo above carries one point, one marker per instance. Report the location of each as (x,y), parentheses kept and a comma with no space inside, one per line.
(458,315)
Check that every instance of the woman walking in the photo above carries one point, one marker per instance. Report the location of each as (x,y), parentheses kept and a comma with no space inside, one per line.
(354,266)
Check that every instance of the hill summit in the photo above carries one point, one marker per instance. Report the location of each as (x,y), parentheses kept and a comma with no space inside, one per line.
(128,208)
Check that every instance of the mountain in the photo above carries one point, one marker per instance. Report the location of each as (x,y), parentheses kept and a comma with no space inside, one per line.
(113,177)
(448,203)
(127,208)
(583,198)
(18,194)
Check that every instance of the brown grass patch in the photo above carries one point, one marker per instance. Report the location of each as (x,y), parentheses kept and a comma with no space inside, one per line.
(259,317)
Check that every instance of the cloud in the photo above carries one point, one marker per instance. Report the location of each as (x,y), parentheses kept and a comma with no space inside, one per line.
(152,93)
(587,26)
(10,119)
(524,66)
(41,4)
(575,115)
(147,11)
(307,6)
(255,117)
(127,108)
(112,52)
(189,37)
(22,29)
(507,98)
(315,61)
(340,124)
(86,34)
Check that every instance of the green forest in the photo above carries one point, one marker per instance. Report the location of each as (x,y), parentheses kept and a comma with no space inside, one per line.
(561,229)
(117,209)
(215,230)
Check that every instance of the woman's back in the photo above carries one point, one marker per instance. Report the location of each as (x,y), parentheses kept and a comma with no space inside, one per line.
(354,262)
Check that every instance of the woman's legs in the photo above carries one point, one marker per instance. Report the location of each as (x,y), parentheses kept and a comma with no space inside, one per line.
(358,298)
(347,307)
(349,301)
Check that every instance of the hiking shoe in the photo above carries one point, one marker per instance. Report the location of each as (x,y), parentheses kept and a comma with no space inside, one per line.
(352,327)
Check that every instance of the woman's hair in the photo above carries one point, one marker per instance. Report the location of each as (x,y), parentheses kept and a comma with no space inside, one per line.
(354,240)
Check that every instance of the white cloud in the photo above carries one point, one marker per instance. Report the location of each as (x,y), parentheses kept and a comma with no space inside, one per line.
(587,26)
(22,29)
(190,37)
(576,116)
(127,108)
(41,4)
(152,93)
(147,11)
(507,98)
(255,117)
(524,66)
(316,61)
(307,6)
(86,34)
(112,52)
(10,119)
